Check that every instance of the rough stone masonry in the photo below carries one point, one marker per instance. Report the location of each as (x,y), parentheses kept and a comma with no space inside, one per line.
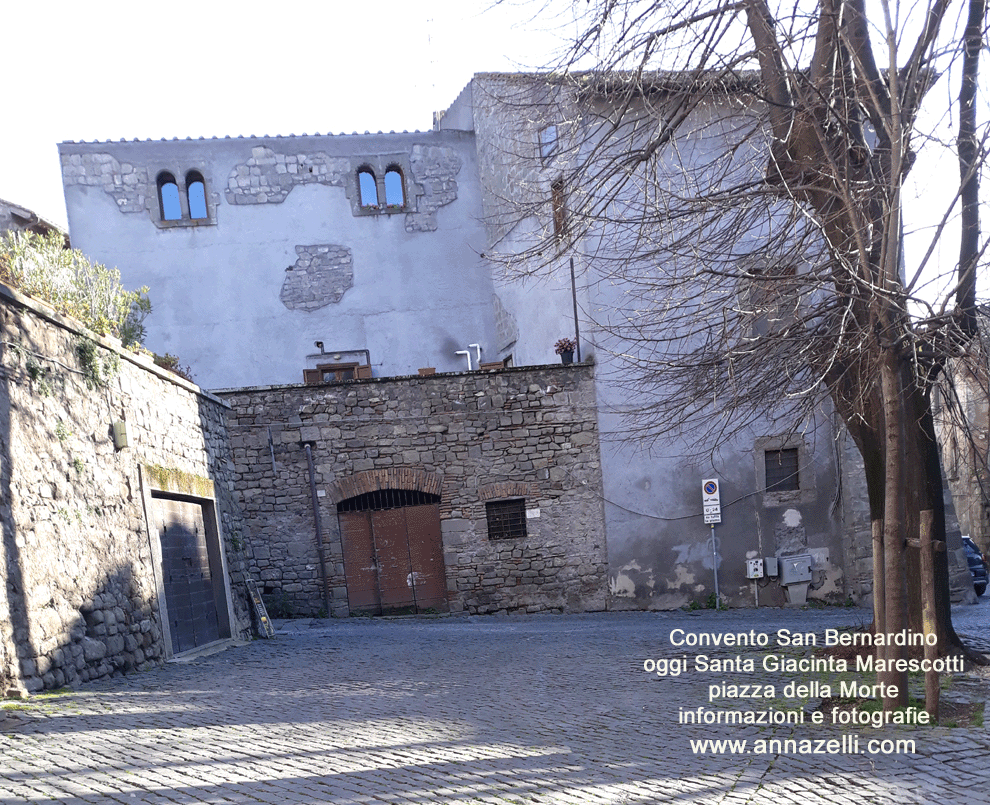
(528,433)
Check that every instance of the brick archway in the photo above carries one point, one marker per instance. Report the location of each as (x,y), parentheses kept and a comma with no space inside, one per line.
(388,478)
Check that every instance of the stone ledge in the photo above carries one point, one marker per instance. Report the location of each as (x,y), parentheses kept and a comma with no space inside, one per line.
(46,311)
(416,377)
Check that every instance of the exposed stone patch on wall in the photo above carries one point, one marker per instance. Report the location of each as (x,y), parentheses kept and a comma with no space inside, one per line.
(127,184)
(78,598)
(321,275)
(470,438)
(133,187)
(268,177)
(434,167)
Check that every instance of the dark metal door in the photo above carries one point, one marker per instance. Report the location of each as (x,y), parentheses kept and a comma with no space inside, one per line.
(189,593)
(393,560)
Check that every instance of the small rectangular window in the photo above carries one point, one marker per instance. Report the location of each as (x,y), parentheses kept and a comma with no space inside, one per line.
(782,470)
(506,519)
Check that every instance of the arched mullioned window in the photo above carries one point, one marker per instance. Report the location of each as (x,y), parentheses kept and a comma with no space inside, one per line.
(368,187)
(168,197)
(196,195)
(395,194)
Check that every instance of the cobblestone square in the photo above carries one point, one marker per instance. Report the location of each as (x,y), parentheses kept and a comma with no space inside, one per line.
(539,709)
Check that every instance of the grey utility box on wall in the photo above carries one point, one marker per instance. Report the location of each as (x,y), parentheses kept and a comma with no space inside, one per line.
(795,569)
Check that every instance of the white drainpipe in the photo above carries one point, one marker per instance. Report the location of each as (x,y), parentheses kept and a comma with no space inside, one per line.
(467,353)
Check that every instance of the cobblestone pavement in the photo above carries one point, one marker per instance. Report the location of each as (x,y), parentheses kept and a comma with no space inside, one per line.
(542,709)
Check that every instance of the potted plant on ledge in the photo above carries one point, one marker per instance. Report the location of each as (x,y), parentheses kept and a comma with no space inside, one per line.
(565,348)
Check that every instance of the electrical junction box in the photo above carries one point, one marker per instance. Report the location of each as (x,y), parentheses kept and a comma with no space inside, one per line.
(754,568)
(770,563)
(795,569)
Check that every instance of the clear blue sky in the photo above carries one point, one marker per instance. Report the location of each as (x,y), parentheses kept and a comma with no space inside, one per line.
(110,70)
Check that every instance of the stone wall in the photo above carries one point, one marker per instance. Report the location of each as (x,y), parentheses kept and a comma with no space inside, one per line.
(80,598)
(471,438)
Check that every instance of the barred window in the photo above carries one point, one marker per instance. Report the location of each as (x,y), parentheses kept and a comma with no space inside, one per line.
(782,470)
(506,519)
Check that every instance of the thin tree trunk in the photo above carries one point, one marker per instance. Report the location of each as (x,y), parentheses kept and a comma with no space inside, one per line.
(893,682)
(928,608)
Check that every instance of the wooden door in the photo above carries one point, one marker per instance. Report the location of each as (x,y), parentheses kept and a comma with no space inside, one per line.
(393,560)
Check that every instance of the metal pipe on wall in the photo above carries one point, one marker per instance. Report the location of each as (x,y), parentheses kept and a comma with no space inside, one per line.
(319,529)
(577,329)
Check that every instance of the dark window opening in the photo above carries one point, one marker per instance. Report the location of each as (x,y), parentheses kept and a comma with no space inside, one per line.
(559,203)
(335,372)
(506,519)
(395,194)
(330,373)
(368,188)
(168,197)
(387,499)
(782,470)
(196,195)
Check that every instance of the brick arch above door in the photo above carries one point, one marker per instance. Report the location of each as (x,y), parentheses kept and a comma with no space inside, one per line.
(387,478)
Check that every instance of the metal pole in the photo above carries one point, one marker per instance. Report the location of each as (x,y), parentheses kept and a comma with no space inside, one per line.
(577,330)
(319,530)
(715,566)
(412,570)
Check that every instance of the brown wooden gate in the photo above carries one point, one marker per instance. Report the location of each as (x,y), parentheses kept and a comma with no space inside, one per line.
(190,594)
(393,558)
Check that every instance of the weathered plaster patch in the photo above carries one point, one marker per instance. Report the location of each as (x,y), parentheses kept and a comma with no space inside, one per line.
(792,518)
(321,275)
(620,584)
(789,534)
(268,177)
(434,167)
(695,552)
(631,581)
(683,577)
(826,578)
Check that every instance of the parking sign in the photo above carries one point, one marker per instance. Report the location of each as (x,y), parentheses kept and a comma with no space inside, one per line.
(710,501)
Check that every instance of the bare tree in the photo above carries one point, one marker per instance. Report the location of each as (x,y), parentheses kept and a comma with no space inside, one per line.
(737,168)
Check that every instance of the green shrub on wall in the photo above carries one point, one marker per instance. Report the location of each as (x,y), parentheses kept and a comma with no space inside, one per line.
(40,266)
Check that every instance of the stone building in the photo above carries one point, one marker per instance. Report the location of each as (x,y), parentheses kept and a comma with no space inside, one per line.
(317,266)
(120,541)
(14,217)
(467,492)
(963,422)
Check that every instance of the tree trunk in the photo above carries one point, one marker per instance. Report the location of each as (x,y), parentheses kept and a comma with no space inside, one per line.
(893,682)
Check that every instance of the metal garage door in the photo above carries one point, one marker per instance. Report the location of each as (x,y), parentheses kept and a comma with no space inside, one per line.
(393,557)
(190,593)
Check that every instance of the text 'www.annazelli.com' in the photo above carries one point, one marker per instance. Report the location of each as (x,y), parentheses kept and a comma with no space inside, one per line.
(846,745)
